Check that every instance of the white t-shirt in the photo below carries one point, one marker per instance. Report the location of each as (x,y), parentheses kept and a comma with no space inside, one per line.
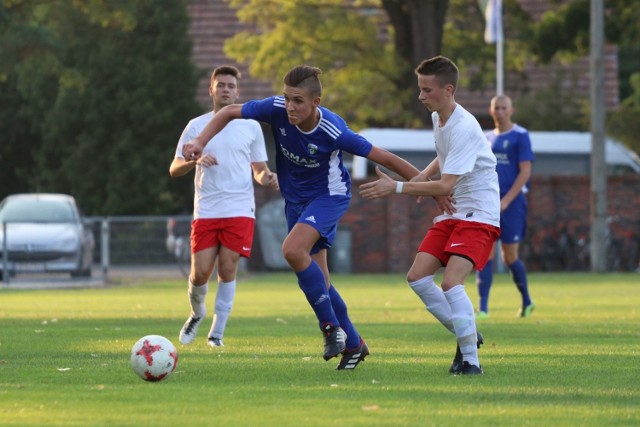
(226,189)
(463,150)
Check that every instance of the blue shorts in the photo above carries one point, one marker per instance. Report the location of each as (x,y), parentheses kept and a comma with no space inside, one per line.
(322,213)
(513,221)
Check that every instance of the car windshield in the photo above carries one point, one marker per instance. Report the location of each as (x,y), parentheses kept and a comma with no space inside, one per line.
(37,210)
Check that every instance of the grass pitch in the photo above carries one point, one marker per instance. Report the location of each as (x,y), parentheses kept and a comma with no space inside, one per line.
(64,357)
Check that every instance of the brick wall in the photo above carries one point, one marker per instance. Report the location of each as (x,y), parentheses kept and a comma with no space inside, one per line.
(213,22)
(386,232)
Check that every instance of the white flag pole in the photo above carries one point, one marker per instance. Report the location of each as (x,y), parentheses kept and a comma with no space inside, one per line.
(499,37)
(499,67)
(493,33)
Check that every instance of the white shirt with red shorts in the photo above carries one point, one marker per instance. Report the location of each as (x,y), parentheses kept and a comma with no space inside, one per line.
(224,192)
(463,150)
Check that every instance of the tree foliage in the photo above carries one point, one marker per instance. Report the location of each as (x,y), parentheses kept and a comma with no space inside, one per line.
(371,80)
(464,43)
(564,33)
(370,48)
(624,124)
(93,97)
(320,33)
(564,30)
(375,44)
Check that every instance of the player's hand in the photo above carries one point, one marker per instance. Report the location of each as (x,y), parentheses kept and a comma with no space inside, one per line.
(446,204)
(380,188)
(192,150)
(272,181)
(207,160)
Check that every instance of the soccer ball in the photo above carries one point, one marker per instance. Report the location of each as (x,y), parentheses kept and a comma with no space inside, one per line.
(153,358)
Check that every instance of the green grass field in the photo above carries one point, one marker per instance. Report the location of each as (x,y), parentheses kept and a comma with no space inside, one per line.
(64,357)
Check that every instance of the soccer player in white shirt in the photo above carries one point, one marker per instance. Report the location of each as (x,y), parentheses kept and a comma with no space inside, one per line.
(462,237)
(224,204)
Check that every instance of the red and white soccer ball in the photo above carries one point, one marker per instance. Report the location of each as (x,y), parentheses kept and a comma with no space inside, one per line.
(153,358)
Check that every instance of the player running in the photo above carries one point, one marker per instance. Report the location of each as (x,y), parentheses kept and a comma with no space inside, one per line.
(310,140)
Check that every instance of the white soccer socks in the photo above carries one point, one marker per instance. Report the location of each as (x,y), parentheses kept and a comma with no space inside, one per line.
(434,300)
(224,302)
(197,297)
(464,323)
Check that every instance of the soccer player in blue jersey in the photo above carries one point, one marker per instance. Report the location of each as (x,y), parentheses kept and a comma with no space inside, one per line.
(512,146)
(316,186)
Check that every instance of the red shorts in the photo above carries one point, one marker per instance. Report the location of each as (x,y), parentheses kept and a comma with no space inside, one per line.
(472,240)
(232,233)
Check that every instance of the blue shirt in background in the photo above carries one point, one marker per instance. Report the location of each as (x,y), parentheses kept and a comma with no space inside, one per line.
(510,148)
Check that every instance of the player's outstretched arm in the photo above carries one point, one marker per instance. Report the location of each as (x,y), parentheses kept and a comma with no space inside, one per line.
(385,186)
(193,149)
(380,188)
(393,162)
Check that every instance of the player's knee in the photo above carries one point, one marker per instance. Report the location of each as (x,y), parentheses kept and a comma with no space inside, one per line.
(448,284)
(199,277)
(227,276)
(227,272)
(293,256)
(509,259)
(414,275)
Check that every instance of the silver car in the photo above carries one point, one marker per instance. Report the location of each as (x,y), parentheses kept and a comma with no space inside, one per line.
(44,233)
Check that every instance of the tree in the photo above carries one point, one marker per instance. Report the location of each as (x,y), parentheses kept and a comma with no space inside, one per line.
(418,32)
(96,101)
(322,34)
(564,33)
(371,48)
(370,69)
(464,42)
(624,124)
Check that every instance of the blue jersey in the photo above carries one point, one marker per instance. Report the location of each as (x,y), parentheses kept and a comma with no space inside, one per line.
(510,148)
(309,164)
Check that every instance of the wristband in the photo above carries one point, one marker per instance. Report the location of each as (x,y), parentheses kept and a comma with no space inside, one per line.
(399,185)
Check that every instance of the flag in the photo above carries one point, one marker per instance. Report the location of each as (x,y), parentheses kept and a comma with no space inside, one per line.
(492,10)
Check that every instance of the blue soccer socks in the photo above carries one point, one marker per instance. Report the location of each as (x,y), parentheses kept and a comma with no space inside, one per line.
(340,309)
(519,274)
(484,278)
(312,283)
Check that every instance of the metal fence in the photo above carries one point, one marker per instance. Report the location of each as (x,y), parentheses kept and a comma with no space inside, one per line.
(132,241)
(141,240)
(163,241)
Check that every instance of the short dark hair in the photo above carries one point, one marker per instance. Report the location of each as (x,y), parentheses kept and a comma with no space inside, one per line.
(306,77)
(444,69)
(226,70)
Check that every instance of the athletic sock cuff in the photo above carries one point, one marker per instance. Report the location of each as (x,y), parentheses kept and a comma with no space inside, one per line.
(455,294)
